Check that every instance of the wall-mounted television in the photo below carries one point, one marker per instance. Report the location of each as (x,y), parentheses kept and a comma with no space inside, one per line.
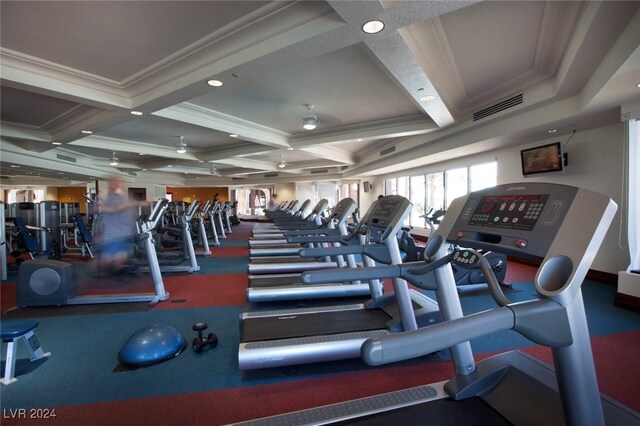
(542,159)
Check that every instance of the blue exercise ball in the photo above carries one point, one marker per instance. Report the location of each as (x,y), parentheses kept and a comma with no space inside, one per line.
(152,344)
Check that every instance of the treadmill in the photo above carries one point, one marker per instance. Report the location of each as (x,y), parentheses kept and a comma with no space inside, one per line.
(281,287)
(296,336)
(279,263)
(562,225)
(313,219)
(333,226)
(274,231)
(271,231)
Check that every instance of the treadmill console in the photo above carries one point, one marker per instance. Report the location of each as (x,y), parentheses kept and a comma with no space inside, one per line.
(386,217)
(322,204)
(521,220)
(343,209)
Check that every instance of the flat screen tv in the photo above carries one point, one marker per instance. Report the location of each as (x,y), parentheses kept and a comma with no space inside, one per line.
(542,159)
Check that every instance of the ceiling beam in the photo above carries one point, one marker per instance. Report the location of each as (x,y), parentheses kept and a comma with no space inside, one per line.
(203,117)
(123,145)
(395,128)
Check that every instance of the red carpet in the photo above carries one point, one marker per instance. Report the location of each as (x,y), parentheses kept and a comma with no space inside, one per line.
(619,375)
(616,359)
(197,291)
(230,252)
(186,291)
(7,296)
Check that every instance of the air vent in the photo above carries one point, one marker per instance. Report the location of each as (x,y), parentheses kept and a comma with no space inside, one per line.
(65,158)
(344,167)
(319,171)
(388,150)
(500,106)
(270,175)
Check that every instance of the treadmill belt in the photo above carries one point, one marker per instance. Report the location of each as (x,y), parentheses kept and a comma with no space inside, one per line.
(267,260)
(269,281)
(467,412)
(306,325)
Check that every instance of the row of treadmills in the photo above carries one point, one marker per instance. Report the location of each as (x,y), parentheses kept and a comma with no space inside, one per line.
(560,226)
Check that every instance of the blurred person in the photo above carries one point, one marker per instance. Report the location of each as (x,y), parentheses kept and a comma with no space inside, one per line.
(118,218)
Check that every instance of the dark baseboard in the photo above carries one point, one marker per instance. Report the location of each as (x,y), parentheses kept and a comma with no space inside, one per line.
(626,301)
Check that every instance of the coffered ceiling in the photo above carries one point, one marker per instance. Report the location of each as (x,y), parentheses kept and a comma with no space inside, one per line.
(410,90)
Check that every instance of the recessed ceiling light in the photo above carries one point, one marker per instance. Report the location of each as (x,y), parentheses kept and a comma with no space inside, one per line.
(141,153)
(14,166)
(427,98)
(136,112)
(233,135)
(638,85)
(86,132)
(60,173)
(144,169)
(359,139)
(373,27)
(552,131)
(290,148)
(214,83)
(56,143)
(170,165)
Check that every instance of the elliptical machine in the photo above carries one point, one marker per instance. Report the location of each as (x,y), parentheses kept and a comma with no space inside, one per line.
(44,282)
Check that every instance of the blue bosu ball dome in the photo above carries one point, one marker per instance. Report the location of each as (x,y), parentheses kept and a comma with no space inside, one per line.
(152,344)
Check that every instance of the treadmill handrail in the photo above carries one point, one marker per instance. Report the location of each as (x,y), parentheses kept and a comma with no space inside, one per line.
(318,239)
(412,344)
(378,253)
(309,232)
(523,317)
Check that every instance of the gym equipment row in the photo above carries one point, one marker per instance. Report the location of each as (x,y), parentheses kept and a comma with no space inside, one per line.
(297,336)
(288,286)
(561,225)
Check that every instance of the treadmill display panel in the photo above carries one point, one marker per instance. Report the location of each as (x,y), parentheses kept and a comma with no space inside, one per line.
(509,211)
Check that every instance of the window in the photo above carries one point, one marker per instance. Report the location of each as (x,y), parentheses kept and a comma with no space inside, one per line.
(418,198)
(390,186)
(436,191)
(483,176)
(456,184)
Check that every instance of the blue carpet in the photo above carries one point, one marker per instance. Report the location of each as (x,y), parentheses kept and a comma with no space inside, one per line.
(222,265)
(84,352)
(230,243)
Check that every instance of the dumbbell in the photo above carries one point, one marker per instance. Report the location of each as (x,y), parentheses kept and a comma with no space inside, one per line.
(199,343)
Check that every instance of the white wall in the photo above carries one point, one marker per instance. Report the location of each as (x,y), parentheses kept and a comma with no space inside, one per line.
(367,198)
(594,162)
(284,192)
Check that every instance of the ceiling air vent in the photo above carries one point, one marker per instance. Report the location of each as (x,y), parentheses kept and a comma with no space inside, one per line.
(270,175)
(65,158)
(388,150)
(319,171)
(500,106)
